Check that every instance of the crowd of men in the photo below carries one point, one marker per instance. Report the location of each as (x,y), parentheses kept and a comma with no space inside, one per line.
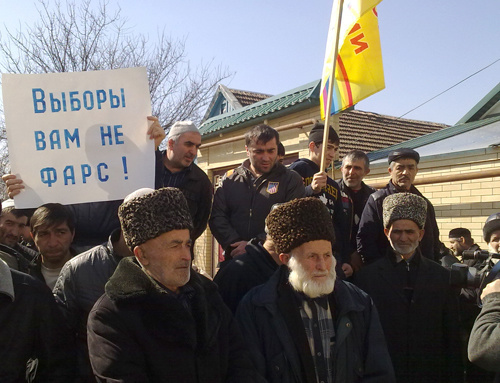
(322,281)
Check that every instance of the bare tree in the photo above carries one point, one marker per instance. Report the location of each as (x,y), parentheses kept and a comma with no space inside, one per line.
(71,36)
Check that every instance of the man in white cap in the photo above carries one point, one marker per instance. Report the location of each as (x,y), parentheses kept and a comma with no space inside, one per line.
(175,167)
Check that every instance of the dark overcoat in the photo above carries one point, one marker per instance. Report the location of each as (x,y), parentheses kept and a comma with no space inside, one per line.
(139,333)
(422,333)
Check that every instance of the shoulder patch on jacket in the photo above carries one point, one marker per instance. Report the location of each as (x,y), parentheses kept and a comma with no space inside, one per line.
(272,187)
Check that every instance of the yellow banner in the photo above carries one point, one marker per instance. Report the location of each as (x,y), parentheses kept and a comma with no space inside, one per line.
(359,71)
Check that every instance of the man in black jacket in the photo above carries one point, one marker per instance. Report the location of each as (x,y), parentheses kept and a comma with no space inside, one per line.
(371,241)
(175,167)
(238,276)
(158,321)
(243,201)
(305,325)
(355,193)
(418,309)
(33,336)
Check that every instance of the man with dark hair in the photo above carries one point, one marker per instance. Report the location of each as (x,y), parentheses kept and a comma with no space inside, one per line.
(304,324)
(355,193)
(13,222)
(247,194)
(175,167)
(418,309)
(52,229)
(371,241)
(158,321)
(461,240)
(281,153)
(318,184)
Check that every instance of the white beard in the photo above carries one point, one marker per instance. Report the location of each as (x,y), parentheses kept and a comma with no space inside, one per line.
(301,282)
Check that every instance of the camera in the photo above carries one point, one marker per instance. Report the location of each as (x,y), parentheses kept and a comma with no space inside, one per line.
(478,276)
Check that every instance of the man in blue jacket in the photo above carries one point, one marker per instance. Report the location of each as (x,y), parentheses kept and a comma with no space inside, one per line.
(304,324)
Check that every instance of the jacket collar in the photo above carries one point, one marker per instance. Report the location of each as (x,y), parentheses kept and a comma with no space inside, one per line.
(6,284)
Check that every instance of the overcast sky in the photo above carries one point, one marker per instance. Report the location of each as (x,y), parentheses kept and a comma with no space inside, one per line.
(276,45)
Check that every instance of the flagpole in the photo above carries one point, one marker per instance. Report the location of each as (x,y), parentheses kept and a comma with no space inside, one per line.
(340,4)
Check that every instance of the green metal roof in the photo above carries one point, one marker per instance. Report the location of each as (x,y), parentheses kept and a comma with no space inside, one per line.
(293,100)
(433,137)
(482,106)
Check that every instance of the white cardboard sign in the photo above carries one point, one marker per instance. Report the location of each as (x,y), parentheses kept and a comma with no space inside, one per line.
(78,137)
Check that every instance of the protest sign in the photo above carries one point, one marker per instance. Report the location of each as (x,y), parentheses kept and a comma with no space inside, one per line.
(78,137)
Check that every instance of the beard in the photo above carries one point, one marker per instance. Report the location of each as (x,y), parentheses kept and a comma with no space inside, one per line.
(302,282)
(407,249)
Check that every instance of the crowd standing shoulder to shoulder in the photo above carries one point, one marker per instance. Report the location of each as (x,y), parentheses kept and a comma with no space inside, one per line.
(34,338)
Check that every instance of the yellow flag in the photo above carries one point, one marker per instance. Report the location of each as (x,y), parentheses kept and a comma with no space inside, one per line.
(359,72)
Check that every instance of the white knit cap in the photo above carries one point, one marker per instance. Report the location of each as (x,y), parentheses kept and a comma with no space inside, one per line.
(182,127)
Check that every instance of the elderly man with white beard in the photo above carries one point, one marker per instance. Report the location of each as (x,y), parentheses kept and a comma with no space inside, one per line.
(304,324)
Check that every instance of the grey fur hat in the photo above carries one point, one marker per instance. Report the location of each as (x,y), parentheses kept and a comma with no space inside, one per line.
(404,206)
(150,215)
(302,220)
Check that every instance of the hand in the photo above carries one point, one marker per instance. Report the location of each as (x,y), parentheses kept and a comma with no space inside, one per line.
(14,184)
(319,182)
(155,131)
(238,248)
(492,287)
(347,269)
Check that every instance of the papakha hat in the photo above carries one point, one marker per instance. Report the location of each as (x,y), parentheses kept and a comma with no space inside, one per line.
(150,215)
(404,206)
(301,220)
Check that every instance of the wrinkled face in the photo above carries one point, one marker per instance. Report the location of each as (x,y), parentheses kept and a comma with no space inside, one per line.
(403,172)
(353,172)
(167,258)
(183,151)
(317,150)
(494,244)
(12,228)
(404,236)
(312,268)
(54,243)
(262,156)
(457,245)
